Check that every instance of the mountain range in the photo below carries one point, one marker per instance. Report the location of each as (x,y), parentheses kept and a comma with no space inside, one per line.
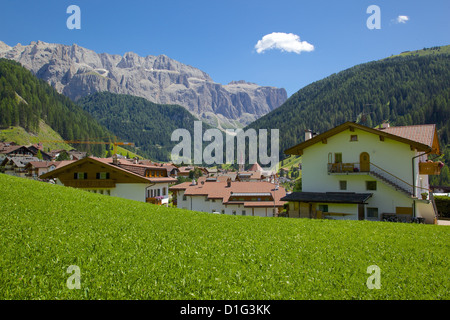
(77,72)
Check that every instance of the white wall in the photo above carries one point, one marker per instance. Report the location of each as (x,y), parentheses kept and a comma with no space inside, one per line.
(394,157)
(198,203)
(131,191)
(160,187)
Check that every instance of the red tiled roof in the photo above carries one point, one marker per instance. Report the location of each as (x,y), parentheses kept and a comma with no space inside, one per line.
(255,167)
(419,133)
(137,169)
(220,190)
(42,164)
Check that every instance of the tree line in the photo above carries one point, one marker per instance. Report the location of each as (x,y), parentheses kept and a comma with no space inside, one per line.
(25,100)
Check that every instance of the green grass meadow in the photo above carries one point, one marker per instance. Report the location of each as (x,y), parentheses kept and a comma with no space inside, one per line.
(130,250)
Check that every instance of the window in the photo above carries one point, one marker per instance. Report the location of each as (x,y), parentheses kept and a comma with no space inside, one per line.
(164,191)
(343,185)
(80,175)
(338,158)
(108,192)
(353,137)
(323,207)
(223,211)
(372,213)
(184,198)
(102,175)
(371,185)
(243,212)
(234,212)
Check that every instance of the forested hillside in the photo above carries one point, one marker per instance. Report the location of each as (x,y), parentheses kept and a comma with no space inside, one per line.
(404,90)
(25,100)
(136,119)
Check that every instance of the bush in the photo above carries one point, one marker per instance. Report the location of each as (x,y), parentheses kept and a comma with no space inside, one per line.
(443,206)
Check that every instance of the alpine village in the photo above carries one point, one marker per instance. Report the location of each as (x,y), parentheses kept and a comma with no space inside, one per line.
(366,148)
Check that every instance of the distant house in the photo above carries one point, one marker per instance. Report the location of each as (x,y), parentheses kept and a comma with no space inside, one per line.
(441,190)
(37,168)
(16,166)
(16,150)
(256,173)
(356,172)
(184,170)
(115,177)
(77,155)
(230,197)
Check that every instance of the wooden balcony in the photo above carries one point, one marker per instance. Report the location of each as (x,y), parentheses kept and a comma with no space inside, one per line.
(343,167)
(107,183)
(153,200)
(429,168)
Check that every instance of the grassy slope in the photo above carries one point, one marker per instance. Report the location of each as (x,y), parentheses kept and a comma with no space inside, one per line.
(132,250)
(20,136)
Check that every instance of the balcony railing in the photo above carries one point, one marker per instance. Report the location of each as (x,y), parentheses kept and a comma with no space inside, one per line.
(343,167)
(90,183)
(154,200)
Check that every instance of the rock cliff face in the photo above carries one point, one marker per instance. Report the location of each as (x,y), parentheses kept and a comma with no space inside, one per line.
(76,72)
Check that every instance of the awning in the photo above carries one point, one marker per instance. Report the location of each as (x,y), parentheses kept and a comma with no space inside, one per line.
(328,197)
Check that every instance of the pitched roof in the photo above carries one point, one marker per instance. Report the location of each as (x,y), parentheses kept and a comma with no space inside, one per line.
(41,164)
(328,197)
(255,167)
(424,134)
(220,190)
(136,170)
(19,162)
(421,144)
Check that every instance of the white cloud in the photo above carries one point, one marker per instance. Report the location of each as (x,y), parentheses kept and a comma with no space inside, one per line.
(402,19)
(283,41)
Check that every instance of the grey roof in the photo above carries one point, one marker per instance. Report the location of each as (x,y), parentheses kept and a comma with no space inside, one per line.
(331,197)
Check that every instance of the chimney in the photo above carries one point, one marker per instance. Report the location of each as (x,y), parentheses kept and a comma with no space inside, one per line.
(385,125)
(115,160)
(228,182)
(308,134)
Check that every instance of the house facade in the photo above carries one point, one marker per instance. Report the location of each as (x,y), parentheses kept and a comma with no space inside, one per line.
(16,166)
(37,168)
(230,197)
(360,173)
(115,177)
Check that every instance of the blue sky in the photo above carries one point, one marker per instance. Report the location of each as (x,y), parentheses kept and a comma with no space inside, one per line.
(219,37)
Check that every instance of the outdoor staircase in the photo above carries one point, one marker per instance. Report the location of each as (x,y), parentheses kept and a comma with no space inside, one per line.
(391,180)
(393,183)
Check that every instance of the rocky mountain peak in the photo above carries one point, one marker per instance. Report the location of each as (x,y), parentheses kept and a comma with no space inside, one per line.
(76,72)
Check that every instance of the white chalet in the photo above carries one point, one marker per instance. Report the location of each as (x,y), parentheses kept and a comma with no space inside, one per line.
(115,177)
(361,173)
